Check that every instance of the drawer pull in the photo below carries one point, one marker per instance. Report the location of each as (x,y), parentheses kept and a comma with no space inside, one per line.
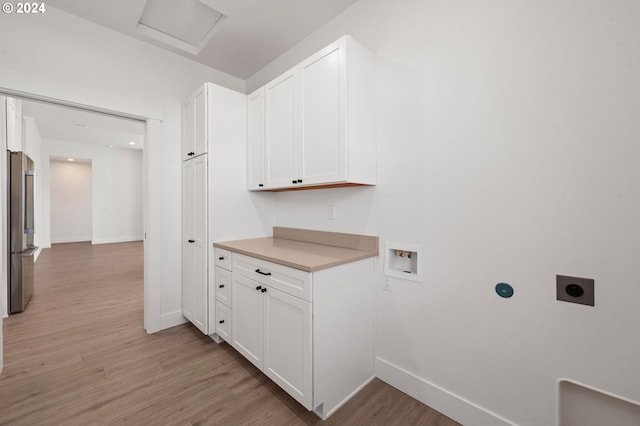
(221,258)
(192,241)
(221,321)
(263,273)
(221,286)
(259,288)
(264,290)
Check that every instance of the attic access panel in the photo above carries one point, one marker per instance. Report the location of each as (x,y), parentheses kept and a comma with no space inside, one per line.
(186,24)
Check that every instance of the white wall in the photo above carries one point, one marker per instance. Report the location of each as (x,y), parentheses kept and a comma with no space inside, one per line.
(32,146)
(70,201)
(65,57)
(3,226)
(508,148)
(14,128)
(116,188)
(3,210)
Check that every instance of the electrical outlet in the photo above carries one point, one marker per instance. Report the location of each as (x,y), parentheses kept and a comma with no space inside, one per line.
(386,283)
(331,212)
(575,290)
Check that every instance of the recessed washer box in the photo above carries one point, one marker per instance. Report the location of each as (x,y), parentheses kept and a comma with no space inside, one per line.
(403,261)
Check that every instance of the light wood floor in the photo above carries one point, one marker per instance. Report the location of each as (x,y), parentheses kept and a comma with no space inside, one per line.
(79,355)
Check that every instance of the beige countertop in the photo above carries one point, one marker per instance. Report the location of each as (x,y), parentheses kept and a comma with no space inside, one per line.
(305,249)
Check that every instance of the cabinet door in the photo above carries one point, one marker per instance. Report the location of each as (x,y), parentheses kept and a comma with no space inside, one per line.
(188,266)
(194,125)
(255,140)
(287,344)
(195,251)
(188,248)
(246,323)
(200,121)
(200,244)
(281,137)
(323,113)
(188,121)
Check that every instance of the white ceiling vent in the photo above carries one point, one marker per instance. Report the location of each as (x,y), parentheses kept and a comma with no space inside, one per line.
(185,24)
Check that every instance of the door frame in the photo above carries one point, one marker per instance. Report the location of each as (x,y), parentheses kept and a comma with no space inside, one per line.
(152,118)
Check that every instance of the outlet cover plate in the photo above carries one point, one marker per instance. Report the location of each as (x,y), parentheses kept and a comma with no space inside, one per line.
(581,290)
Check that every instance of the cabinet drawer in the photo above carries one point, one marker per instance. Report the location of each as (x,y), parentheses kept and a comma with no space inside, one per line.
(289,280)
(223,286)
(223,258)
(223,321)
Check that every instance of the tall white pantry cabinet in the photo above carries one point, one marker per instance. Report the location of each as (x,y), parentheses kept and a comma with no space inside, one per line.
(213,132)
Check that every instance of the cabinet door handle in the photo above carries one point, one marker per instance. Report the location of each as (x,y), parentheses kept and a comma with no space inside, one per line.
(191,153)
(260,185)
(221,286)
(192,241)
(221,258)
(294,181)
(263,273)
(299,180)
(264,290)
(221,321)
(259,288)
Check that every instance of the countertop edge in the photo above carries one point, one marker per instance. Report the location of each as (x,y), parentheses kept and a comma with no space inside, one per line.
(356,257)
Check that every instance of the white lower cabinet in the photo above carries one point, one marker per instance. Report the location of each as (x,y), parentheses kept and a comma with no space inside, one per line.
(288,344)
(247,313)
(311,333)
(272,329)
(222,291)
(223,321)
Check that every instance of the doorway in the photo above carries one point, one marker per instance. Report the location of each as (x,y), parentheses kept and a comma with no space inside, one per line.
(70,195)
(90,172)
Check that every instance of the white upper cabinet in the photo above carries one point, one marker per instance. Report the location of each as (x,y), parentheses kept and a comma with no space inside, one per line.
(255,140)
(319,121)
(323,106)
(194,119)
(281,127)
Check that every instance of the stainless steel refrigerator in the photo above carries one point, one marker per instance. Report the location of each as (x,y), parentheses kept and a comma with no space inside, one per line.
(21,181)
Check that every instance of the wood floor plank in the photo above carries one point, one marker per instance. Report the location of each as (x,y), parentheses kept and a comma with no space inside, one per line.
(79,355)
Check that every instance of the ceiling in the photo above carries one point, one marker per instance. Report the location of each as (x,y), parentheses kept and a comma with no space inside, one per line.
(77,125)
(250,35)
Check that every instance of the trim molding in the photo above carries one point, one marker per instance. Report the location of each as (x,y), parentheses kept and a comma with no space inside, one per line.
(171,319)
(36,255)
(116,240)
(454,406)
(62,240)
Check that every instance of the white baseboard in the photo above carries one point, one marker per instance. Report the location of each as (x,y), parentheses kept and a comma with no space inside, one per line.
(116,240)
(61,240)
(36,255)
(448,403)
(171,319)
